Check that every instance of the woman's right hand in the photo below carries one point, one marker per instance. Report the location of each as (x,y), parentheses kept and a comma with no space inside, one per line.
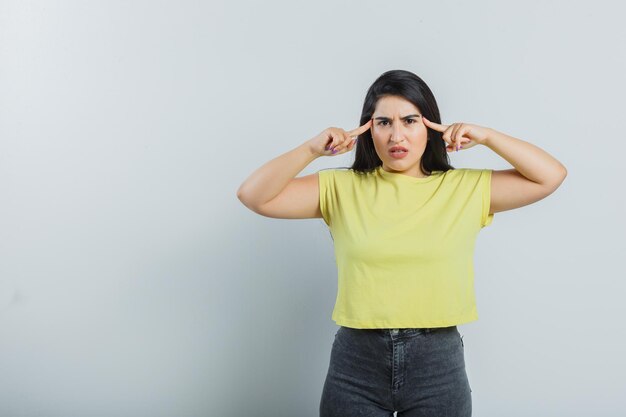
(336,141)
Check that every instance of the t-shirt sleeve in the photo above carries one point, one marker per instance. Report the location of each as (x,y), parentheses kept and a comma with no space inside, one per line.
(327,194)
(484,183)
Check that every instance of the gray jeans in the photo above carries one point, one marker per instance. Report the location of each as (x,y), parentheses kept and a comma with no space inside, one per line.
(416,372)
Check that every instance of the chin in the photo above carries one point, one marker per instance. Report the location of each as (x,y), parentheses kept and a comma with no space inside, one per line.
(403,162)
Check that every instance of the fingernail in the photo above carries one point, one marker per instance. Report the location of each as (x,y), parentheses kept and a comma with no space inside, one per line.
(334,150)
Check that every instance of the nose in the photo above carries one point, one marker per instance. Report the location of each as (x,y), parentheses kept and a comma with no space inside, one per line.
(396,133)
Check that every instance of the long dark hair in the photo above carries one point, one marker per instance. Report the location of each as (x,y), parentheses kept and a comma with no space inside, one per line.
(409,86)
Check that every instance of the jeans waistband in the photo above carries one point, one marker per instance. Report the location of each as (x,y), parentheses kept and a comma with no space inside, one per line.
(404,330)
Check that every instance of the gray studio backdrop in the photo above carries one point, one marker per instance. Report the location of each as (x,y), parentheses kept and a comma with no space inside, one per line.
(133,282)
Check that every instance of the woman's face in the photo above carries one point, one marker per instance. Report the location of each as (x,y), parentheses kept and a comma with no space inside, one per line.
(392,127)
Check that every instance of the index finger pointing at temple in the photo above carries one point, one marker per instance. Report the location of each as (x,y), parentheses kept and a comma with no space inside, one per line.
(359,130)
(435,126)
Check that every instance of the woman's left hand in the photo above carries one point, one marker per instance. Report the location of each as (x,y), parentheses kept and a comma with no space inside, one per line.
(460,135)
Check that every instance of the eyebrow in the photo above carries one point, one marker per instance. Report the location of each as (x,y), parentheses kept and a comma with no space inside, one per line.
(402,118)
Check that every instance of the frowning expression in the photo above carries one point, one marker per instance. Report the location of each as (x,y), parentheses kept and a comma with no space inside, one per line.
(398,123)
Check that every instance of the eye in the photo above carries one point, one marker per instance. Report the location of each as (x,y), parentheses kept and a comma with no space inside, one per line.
(386,121)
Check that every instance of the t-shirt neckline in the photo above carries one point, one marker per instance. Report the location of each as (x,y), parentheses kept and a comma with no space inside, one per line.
(396,176)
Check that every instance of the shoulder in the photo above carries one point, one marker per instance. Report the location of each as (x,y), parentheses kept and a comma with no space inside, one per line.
(340,173)
(344,178)
(469,178)
(464,171)
(467,172)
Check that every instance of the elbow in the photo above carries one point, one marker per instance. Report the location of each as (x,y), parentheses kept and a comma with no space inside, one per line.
(241,196)
(556,180)
(563,174)
(246,201)
(559,174)
(241,193)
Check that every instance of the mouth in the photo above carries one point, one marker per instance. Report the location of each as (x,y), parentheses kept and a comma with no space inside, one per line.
(398,152)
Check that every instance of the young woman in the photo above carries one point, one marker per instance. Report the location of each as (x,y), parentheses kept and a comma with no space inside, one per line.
(404,224)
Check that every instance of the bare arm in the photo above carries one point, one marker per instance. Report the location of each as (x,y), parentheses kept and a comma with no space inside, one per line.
(536,173)
(260,191)
(270,179)
(529,160)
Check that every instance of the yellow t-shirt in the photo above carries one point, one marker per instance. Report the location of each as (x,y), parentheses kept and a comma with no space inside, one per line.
(404,246)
